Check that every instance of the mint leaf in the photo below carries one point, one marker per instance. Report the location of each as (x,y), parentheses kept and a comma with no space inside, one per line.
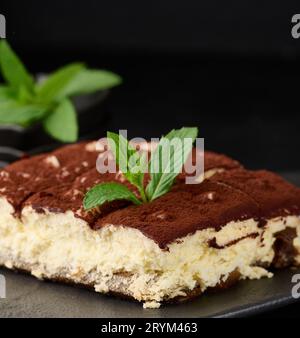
(164,169)
(61,124)
(108,192)
(6,94)
(23,102)
(121,150)
(137,165)
(53,88)
(178,149)
(128,160)
(23,95)
(13,112)
(88,81)
(13,70)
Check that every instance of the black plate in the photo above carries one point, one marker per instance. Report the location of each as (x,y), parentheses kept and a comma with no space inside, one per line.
(29,297)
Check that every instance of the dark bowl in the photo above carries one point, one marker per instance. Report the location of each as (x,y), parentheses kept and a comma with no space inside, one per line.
(91,116)
(16,142)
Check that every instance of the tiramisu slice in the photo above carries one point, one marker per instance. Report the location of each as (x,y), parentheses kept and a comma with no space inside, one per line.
(209,233)
(233,225)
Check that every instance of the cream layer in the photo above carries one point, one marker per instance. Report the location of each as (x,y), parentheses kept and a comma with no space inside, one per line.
(121,259)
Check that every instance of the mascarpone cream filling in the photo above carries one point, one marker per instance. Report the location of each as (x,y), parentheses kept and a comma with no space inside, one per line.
(121,259)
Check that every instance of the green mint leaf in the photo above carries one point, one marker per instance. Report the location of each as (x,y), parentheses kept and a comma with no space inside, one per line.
(129,160)
(164,167)
(13,70)
(53,88)
(23,95)
(14,112)
(6,94)
(89,80)
(136,173)
(137,166)
(61,124)
(108,192)
(121,150)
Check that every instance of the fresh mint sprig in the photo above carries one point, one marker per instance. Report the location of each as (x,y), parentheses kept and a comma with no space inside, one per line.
(166,163)
(25,102)
(108,192)
(130,163)
(169,164)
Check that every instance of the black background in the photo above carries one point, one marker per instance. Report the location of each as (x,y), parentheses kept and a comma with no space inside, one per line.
(230,67)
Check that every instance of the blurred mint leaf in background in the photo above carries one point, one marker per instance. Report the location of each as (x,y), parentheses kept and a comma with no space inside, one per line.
(13,70)
(52,88)
(13,112)
(24,102)
(88,81)
(6,93)
(61,124)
